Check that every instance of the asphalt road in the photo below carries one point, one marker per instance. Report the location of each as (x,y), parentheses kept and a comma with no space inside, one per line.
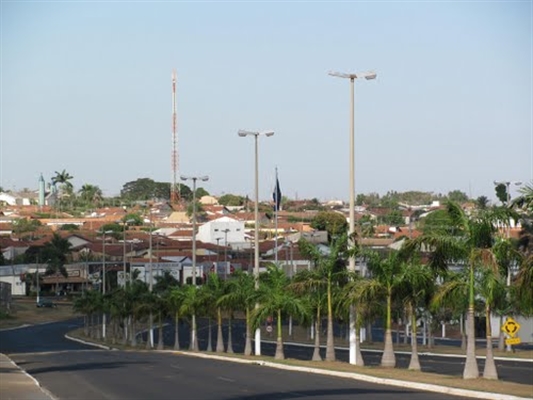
(99,374)
(510,371)
(71,370)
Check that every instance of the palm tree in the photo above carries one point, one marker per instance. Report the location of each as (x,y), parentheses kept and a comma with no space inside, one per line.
(309,285)
(416,281)
(174,302)
(214,292)
(468,239)
(242,295)
(63,179)
(275,298)
(383,281)
(523,286)
(491,288)
(90,193)
(328,270)
(191,303)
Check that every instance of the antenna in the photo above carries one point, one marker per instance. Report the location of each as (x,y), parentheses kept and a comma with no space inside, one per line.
(174,188)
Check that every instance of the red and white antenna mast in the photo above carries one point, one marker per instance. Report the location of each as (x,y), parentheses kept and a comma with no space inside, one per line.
(174,188)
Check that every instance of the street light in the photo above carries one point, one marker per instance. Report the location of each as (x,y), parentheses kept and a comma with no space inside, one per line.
(351,266)
(225,252)
(194,179)
(103,281)
(125,223)
(244,133)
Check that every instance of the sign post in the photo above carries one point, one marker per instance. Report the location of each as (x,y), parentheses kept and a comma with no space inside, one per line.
(511,328)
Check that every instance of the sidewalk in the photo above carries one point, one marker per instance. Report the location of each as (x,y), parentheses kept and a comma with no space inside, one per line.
(15,384)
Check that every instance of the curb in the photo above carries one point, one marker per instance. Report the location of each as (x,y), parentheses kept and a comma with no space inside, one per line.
(101,346)
(529,360)
(349,375)
(366,378)
(35,381)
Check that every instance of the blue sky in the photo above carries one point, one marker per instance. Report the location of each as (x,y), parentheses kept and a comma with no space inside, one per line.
(85,86)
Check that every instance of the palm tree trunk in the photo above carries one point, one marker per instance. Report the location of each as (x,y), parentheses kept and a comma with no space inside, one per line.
(125,331)
(316,350)
(230,342)
(330,345)
(463,333)
(359,361)
(220,338)
(369,337)
(160,341)
(176,331)
(414,364)
(280,355)
(248,344)
(501,336)
(431,339)
(471,370)
(489,372)
(388,359)
(86,325)
(133,334)
(209,341)
(194,336)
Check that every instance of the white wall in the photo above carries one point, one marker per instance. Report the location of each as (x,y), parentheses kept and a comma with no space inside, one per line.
(210,231)
(18,288)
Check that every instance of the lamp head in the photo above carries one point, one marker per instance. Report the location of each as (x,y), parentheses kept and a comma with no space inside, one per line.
(204,178)
(269,133)
(242,133)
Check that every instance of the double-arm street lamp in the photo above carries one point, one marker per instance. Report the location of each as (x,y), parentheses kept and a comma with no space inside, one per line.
(351,266)
(194,179)
(244,133)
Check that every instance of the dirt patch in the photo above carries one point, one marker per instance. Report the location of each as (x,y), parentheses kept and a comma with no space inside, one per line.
(26,312)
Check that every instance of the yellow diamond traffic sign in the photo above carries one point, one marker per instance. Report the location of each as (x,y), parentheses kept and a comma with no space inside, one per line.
(511,341)
(511,327)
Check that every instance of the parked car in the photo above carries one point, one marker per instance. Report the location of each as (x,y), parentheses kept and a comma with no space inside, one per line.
(46,303)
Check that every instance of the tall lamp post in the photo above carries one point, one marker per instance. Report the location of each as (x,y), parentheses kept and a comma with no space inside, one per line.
(244,133)
(125,223)
(194,179)
(225,252)
(104,282)
(351,266)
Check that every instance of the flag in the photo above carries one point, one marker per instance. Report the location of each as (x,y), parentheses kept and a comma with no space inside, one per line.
(276,195)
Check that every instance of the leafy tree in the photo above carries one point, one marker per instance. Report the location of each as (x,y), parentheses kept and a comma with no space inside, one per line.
(332,222)
(457,196)
(371,199)
(23,225)
(393,218)
(200,212)
(482,202)
(501,192)
(69,227)
(231,200)
(90,194)
(147,189)
(56,252)
(201,192)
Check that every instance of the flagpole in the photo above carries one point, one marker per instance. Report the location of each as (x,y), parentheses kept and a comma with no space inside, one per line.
(276,202)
